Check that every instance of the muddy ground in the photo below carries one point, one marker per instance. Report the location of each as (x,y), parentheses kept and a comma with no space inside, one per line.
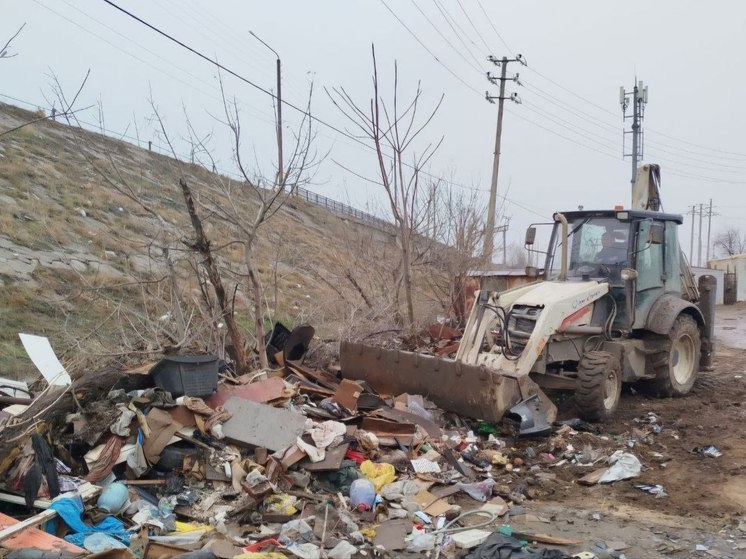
(706,496)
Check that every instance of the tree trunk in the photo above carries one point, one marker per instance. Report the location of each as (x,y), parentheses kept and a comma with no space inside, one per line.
(407,277)
(256,291)
(202,245)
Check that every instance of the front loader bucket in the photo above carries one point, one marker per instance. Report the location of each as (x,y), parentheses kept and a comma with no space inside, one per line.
(472,390)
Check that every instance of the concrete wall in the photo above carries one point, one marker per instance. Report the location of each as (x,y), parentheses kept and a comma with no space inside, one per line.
(736,264)
(719,276)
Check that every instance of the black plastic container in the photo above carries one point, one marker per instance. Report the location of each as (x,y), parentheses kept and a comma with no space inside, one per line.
(187,375)
(275,340)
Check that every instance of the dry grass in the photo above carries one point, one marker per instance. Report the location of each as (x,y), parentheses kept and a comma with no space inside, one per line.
(304,252)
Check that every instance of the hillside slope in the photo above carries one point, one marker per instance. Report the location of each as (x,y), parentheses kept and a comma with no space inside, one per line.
(85,265)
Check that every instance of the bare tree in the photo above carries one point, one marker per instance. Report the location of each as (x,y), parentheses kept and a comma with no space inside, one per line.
(392,128)
(4,49)
(457,225)
(730,241)
(266,195)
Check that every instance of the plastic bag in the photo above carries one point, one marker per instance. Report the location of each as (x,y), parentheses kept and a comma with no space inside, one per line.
(343,550)
(400,490)
(418,542)
(481,491)
(623,466)
(379,473)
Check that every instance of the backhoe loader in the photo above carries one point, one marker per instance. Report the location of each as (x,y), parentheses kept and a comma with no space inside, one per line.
(614,302)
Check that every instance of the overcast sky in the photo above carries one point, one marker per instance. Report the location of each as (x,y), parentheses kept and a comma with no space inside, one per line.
(561,148)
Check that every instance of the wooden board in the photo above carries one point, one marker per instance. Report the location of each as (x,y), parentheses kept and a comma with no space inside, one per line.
(261,391)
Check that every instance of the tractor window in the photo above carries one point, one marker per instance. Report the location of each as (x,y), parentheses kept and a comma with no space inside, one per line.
(598,247)
(649,260)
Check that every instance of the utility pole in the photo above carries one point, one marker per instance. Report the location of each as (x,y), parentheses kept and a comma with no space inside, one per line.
(709,229)
(699,238)
(489,237)
(280,164)
(639,98)
(693,212)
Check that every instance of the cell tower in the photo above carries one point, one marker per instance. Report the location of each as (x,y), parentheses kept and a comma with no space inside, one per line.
(638,97)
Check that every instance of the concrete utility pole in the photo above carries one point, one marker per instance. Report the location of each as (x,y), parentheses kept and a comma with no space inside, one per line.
(699,238)
(693,212)
(489,236)
(709,229)
(639,98)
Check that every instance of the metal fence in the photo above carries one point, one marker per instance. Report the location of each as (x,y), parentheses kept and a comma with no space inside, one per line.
(343,209)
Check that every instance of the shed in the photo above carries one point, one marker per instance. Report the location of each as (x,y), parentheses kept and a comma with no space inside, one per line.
(734,268)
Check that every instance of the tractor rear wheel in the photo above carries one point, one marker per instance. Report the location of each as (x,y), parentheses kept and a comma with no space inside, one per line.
(599,385)
(676,367)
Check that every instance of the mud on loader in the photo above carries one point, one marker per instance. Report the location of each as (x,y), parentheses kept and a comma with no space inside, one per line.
(615,302)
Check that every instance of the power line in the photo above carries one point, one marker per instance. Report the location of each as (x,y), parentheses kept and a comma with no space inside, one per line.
(263,90)
(607,128)
(604,109)
(489,20)
(474,27)
(437,29)
(460,33)
(416,38)
(198,24)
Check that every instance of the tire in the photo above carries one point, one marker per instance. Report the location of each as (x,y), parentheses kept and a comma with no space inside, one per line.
(676,367)
(172,456)
(599,385)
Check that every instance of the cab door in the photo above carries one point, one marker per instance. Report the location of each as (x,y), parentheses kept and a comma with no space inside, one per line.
(648,261)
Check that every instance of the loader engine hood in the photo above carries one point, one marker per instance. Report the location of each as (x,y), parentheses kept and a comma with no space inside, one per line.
(575,294)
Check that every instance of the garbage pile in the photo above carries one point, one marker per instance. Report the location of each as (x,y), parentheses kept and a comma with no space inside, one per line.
(185,457)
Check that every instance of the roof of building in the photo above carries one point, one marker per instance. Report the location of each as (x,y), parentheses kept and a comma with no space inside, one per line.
(502,273)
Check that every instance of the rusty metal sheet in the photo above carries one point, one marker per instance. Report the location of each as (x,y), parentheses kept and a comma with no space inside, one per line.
(470,390)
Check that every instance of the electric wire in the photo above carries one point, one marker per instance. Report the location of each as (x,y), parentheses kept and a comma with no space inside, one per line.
(489,20)
(603,109)
(474,27)
(416,38)
(437,29)
(291,105)
(453,24)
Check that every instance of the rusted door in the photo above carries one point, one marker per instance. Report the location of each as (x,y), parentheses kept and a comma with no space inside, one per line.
(730,291)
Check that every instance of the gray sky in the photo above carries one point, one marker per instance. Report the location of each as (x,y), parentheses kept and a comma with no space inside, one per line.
(561,147)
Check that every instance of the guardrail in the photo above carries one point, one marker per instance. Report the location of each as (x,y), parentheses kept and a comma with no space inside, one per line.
(343,209)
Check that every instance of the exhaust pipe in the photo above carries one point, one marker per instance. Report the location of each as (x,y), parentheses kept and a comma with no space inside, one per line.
(563,265)
(707,291)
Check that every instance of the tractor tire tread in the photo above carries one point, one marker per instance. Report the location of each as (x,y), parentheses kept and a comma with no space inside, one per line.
(589,393)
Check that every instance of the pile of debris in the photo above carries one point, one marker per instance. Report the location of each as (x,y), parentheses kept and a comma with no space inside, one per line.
(185,457)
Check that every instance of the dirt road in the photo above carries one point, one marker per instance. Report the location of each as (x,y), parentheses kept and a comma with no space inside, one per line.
(706,496)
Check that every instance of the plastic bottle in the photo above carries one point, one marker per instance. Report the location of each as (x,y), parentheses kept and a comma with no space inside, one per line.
(362,494)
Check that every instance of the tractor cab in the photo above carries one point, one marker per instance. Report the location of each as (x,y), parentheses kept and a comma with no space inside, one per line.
(635,251)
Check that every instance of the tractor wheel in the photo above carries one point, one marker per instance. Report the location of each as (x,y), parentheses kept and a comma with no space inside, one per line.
(599,385)
(676,367)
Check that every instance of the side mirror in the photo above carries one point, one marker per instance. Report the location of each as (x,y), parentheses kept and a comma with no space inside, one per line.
(628,274)
(532,272)
(656,233)
(530,236)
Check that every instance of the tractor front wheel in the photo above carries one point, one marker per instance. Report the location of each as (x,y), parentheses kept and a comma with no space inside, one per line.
(599,385)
